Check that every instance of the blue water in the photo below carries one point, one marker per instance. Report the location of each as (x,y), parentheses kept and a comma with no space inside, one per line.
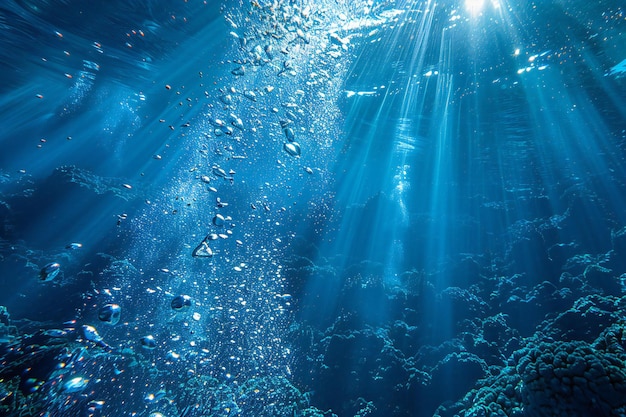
(376,208)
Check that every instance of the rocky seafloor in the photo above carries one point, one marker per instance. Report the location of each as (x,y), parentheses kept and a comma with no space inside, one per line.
(535,330)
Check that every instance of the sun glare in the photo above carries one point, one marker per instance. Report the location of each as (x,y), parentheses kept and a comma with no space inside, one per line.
(474,7)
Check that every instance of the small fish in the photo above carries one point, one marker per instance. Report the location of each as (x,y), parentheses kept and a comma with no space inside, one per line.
(74,246)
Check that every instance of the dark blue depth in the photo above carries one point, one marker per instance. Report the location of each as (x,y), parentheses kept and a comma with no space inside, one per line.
(309,208)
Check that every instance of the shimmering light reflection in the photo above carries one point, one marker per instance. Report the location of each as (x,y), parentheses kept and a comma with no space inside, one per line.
(425,137)
(481,129)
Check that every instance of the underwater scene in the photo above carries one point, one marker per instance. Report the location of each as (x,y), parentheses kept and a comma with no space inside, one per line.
(313,208)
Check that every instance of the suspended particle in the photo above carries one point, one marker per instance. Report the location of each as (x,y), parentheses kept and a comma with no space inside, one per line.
(289,134)
(226,99)
(250,95)
(181,302)
(292,148)
(94,405)
(219,172)
(218,220)
(75,384)
(202,251)
(110,314)
(49,272)
(239,71)
(236,122)
(148,342)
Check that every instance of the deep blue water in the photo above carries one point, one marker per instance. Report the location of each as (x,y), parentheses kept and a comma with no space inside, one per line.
(374,208)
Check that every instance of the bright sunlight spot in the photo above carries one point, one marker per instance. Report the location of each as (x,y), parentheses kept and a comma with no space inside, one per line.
(474,7)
